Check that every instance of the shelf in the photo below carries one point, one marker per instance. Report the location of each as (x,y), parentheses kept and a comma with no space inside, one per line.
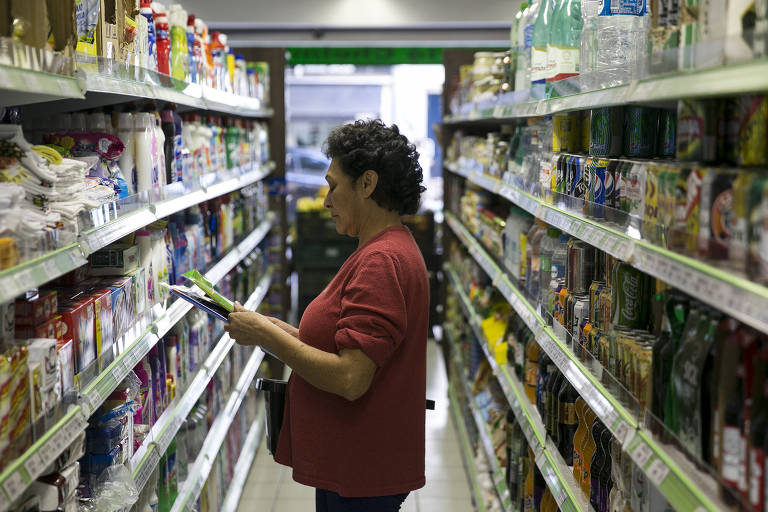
(165,88)
(32,274)
(23,86)
(556,473)
(466,451)
(98,390)
(243,465)
(667,471)
(148,455)
(198,474)
(731,80)
(734,295)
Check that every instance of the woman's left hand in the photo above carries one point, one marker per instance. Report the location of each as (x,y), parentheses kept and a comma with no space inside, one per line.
(249,328)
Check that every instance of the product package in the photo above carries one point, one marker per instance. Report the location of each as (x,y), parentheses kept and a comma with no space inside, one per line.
(35,310)
(43,352)
(104,327)
(123,304)
(79,319)
(114,260)
(66,359)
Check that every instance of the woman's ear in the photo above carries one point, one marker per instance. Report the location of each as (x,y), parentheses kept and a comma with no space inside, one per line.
(369,180)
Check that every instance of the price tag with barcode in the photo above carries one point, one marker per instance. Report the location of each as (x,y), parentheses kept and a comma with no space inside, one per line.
(34,465)
(14,485)
(622,431)
(641,454)
(657,472)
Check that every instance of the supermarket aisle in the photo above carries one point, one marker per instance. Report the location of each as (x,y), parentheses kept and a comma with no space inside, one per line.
(270,487)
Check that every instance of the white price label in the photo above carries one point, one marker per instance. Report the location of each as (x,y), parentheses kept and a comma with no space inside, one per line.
(622,431)
(560,497)
(50,268)
(14,485)
(48,452)
(34,465)
(641,454)
(657,472)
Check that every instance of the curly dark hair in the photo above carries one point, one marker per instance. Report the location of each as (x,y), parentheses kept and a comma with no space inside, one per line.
(372,145)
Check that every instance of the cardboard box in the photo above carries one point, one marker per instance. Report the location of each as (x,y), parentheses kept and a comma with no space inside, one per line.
(105,329)
(80,323)
(61,18)
(43,352)
(37,309)
(123,304)
(48,329)
(66,357)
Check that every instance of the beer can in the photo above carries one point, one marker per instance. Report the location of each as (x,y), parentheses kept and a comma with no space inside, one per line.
(605,131)
(716,216)
(640,131)
(630,297)
(753,130)
(667,133)
(580,315)
(603,353)
(678,233)
(650,229)
(580,269)
(579,185)
(604,307)
(699,124)
(594,302)
(562,131)
(643,373)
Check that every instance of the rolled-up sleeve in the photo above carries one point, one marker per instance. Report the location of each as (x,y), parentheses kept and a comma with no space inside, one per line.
(373,314)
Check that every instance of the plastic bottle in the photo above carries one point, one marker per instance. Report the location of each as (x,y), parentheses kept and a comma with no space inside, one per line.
(229,66)
(546,251)
(565,40)
(539,43)
(172,129)
(144,160)
(146,12)
(127,133)
(534,238)
(621,40)
(231,140)
(96,122)
(177,20)
(193,54)
(514,30)
(159,173)
(201,45)
(524,41)
(163,45)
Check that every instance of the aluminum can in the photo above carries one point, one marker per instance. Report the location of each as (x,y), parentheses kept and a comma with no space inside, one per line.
(605,131)
(597,191)
(580,268)
(580,316)
(640,131)
(667,133)
(753,130)
(594,302)
(630,297)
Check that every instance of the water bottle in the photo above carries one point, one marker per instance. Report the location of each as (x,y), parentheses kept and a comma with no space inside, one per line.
(590,9)
(539,44)
(563,50)
(621,40)
(524,40)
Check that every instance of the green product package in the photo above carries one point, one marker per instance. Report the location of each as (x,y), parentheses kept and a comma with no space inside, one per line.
(207,287)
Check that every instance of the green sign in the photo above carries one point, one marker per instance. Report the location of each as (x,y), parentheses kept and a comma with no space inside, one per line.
(364,56)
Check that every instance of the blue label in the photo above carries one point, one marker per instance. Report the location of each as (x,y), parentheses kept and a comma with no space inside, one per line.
(625,7)
(528,36)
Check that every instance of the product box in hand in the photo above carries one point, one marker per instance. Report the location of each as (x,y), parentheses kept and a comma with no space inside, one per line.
(79,319)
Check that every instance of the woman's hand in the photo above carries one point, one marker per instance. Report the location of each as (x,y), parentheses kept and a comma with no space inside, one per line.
(284,326)
(250,328)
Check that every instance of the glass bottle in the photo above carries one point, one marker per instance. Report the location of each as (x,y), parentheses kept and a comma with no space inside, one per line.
(532,351)
(568,421)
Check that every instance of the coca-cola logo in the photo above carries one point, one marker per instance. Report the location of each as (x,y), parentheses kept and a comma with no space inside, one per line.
(630,286)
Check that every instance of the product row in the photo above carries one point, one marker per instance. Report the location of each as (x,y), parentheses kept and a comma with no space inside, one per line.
(52,176)
(562,47)
(130,36)
(679,365)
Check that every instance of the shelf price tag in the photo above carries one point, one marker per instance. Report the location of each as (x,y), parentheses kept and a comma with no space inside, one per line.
(641,454)
(657,472)
(622,430)
(34,465)
(14,485)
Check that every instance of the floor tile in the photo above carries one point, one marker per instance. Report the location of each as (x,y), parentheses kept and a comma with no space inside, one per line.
(294,505)
(446,489)
(444,505)
(292,490)
(255,505)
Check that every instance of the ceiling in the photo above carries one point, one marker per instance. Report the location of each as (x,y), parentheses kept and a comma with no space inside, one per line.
(359,23)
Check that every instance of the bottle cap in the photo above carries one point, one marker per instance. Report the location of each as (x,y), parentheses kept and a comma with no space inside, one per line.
(125,121)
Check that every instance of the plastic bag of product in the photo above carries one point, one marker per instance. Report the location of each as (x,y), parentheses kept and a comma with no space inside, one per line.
(86,18)
(115,490)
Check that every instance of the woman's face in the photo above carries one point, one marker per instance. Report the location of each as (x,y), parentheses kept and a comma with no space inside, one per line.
(345,199)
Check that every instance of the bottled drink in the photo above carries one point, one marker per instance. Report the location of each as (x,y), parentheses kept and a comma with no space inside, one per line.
(524,42)
(545,369)
(528,497)
(534,239)
(565,41)
(514,30)
(567,421)
(733,449)
(590,9)
(539,44)
(621,40)
(532,351)
(546,252)
(580,406)
(596,465)
(553,416)
(606,482)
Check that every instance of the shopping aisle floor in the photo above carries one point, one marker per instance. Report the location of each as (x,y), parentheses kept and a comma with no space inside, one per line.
(270,487)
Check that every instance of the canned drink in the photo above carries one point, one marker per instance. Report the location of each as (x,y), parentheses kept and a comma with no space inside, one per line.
(622,187)
(600,266)
(667,133)
(589,176)
(694,183)
(603,353)
(605,131)
(558,177)
(608,263)
(597,191)
(595,337)
(678,234)
(644,373)
(697,130)
(581,186)
(753,130)
(636,190)
(577,187)
(604,307)
(562,132)
(594,303)
(650,229)
(737,254)
(580,269)
(630,297)
(585,327)
(666,202)
(584,134)
(640,131)
(579,317)
(716,215)
(610,187)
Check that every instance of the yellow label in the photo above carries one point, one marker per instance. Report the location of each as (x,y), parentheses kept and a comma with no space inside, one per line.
(500,351)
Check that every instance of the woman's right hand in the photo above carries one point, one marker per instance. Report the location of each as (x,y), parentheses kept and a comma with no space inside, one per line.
(284,326)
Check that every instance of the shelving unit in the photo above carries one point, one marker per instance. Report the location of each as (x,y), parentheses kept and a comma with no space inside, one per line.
(558,476)
(31,274)
(190,490)
(466,451)
(667,470)
(148,455)
(243,465)
(23,86)
(19,475)
(741,78)
(734,295)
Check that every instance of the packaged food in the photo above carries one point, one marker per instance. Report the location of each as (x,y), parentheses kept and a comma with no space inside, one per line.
(104,327)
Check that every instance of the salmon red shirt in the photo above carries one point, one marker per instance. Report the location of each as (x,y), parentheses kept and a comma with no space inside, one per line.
(373,446)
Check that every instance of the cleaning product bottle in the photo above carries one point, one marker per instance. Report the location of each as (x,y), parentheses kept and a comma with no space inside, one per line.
(144,152)
(162,31)
(177,20)
(192,52)
(159,176)
(151,58)
(127,133)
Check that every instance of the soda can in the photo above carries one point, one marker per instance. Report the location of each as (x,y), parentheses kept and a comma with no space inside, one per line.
(558,177)
(667,133)
(700,130)
(692,214)
(609,185)
(597,191)
(650,229)
(580,317)
(608,264)
(666,201)
(604,307)
(636,178)
(580,268)
(584,133)
(594,302)
(753,130)
(630,297)
(562,131)
(603,353)
(622,187)
(716,215)
(577,188)
(677,230)
(605,131)
(643,376)
(640,131)
(588,177)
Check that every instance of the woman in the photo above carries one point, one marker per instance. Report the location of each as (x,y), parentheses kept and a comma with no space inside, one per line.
(354,416)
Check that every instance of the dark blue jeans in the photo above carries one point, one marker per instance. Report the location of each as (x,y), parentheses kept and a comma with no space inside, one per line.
(328,501)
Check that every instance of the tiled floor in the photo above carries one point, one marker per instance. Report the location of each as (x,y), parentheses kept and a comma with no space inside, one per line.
(270,487)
